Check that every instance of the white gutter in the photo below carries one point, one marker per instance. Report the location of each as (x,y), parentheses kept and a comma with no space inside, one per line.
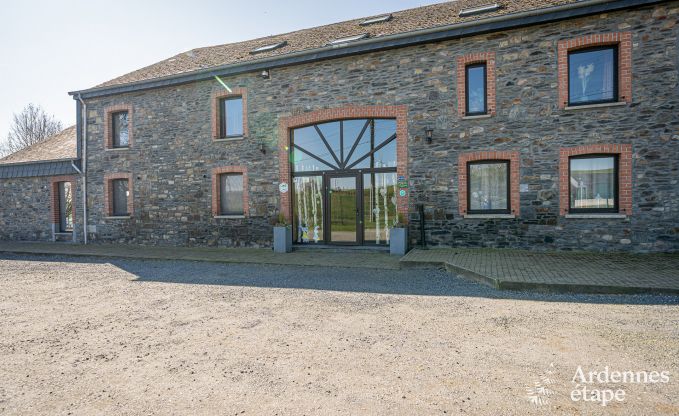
(83,173)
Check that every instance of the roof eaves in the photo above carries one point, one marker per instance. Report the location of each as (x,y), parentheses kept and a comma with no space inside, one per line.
(433,34)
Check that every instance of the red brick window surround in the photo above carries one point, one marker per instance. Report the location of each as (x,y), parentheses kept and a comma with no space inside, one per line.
(463,62)
(108,192)
(514,168)
(624,42)
(54,196)
(108,125)
(400,113)
(217,98)
(624,152)
(216,196)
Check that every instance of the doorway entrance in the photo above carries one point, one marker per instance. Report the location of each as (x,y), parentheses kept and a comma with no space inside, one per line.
(344,182)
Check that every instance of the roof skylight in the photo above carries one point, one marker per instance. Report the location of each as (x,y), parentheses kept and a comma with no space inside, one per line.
(479,10)
(348,39)
(268,48)
(378,19)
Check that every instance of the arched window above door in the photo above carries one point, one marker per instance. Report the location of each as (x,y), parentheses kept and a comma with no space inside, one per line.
(344,145)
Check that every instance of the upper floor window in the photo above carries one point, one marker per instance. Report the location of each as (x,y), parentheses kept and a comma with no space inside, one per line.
(593,75)
(231,117)
(120,129)
(488,187)
(593,182)
(475,76)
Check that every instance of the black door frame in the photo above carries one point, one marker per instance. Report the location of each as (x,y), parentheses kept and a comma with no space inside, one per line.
(358,176)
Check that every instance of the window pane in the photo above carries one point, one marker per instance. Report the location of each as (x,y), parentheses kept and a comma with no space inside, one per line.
(308,139)
(592,76)
(331,132)
(593,183)
(120,195)
(352,128)
(476,89)
(488,186)
(65,207)
(231,194)
(308,209)
(386,156)
(233,113)
(379,207)
(120,130)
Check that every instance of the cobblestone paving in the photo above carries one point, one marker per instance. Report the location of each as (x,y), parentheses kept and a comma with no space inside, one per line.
(361,259)
(653,271)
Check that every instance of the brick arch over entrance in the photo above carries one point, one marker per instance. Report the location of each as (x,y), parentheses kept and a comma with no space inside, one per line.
(400,113)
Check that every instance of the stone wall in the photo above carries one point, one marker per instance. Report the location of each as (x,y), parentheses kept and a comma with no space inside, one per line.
(26,210)
(174,153)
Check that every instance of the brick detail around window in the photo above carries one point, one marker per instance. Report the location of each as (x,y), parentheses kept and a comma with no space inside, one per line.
(108,124)
(624,42)
(514,169)
(624,152)
(108,192)
(54,195)
(217,96)
(462,61)
(400,113)
(216,188)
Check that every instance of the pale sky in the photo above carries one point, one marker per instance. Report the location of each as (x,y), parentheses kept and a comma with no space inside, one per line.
(48,48)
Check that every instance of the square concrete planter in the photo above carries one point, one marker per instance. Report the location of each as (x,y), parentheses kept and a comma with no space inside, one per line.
(398,241)
(282,239)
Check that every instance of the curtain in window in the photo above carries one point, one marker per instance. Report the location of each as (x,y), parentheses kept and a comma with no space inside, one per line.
(488,186)
(231,195)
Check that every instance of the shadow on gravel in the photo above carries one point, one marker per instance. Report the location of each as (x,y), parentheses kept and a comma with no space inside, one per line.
(415,282)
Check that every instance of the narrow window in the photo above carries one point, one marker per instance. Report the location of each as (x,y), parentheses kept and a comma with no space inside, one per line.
(231,194)
(476,89)
(593,76)
(65,207)
(593,182)
(231,117)
(121,194)
(120,129)
(488,187)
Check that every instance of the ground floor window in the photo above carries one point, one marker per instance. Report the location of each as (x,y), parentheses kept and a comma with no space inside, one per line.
(488,187)
(593,183)
(65,207)
(121,193)
(231,194)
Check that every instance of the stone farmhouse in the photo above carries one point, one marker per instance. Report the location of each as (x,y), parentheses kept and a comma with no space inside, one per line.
(544,125)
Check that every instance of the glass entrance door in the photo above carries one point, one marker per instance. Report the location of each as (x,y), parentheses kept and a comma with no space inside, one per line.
(344,213)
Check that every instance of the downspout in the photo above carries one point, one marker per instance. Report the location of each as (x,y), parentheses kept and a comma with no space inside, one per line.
(84,164)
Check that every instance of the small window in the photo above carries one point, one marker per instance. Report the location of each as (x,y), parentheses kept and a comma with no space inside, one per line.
(488,187)
(375,20)
(268,48)
(593,183)
(480,10)
(348,39)
(119,123)
(593,76)
(476,90)
(231,194)
(231,117)
(65,207)
(121,194)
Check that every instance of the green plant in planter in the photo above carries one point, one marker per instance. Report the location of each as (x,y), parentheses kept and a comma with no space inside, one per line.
(401,221)
(282,221)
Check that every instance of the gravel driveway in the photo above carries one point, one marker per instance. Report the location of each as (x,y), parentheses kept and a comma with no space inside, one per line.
(90,336)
